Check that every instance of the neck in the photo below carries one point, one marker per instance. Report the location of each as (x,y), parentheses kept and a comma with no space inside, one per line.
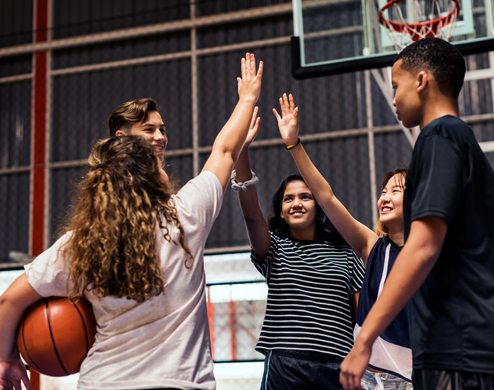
(397,237)
(438,107)
(303,235)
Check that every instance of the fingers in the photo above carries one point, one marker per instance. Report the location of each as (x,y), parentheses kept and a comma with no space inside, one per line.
(27,383)
(292,103)
(278,117)
(242,68)
(261,69)
(287,105)
(248,67)
(254,117)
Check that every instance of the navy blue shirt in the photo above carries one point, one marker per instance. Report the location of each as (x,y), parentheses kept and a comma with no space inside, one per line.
(397,331)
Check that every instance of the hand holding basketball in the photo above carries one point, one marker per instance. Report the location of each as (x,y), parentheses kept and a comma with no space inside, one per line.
(288,122)
(12,373)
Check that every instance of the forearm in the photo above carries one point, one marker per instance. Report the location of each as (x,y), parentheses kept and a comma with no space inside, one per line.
(358,236)
(19,296)
(231,138)
(257,228)
(411,268)
(313,178)
(9,319)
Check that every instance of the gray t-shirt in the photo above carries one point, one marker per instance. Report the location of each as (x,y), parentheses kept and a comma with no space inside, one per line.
(163,342)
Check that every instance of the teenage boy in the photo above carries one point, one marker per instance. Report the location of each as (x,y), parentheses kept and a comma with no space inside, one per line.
(446,266)
(141,117)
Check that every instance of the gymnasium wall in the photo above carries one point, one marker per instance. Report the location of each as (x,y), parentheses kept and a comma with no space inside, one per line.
(65,65)
(187,57)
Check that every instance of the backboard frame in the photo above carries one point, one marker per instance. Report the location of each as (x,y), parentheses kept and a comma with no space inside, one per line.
(368,59)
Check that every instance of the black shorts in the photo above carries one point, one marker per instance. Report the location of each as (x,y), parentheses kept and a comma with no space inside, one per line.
(289,370)
(426,379)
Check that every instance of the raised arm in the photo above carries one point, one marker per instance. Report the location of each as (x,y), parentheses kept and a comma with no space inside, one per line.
(358,236)
(230,139)
(18,297)
(257,229)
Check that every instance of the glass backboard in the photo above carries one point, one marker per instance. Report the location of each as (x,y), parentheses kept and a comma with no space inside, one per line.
(339,36)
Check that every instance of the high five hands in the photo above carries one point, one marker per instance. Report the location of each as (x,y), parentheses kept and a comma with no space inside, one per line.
(288,121)
(249,85)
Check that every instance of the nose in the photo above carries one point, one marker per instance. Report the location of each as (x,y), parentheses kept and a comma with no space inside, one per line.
(158,135)
(297,203)
(394,102)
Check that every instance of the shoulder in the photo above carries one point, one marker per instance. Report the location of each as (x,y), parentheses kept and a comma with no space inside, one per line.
(448,127)
(205,179)
(201,188)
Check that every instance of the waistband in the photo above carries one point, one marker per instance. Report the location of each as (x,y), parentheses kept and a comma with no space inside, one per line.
(308,355)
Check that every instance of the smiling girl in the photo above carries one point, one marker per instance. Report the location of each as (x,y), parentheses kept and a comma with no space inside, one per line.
(391,361)
(313,276)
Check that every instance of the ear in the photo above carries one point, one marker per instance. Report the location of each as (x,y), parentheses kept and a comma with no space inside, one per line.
(119,133)
(422,81)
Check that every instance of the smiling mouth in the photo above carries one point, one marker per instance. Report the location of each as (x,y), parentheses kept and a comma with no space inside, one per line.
(159,148)
(386,209)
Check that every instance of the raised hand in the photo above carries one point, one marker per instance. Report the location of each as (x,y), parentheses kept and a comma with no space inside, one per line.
(12,373)
(249,85)
(253,129)
(288,122)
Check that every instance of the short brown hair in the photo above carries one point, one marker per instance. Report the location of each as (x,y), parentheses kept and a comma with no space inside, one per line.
(125,115)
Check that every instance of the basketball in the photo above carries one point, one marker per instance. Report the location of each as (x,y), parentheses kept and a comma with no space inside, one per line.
(55,335)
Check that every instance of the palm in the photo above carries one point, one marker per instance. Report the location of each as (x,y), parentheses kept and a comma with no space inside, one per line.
(288,121)
(288,125)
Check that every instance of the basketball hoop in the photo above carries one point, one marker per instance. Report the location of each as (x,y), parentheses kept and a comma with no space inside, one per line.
(403,33)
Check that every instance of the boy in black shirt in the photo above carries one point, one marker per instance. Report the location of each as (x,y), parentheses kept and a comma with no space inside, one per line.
(446,267)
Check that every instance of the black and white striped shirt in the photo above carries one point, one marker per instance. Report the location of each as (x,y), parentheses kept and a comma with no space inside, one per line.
(308,306)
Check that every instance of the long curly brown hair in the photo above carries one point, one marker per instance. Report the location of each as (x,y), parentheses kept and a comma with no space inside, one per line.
(113,225)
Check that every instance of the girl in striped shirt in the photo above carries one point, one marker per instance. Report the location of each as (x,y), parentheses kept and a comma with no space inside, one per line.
(313,276)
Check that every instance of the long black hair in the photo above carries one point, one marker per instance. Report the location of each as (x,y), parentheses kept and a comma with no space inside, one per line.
(325,230)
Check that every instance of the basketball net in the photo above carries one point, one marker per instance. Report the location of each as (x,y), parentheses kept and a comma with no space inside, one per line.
(438,22)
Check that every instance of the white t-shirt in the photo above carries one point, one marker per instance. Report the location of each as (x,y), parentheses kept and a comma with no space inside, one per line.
(163,342)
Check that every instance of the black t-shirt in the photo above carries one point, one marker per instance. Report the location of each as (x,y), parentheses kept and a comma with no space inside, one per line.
(452,314)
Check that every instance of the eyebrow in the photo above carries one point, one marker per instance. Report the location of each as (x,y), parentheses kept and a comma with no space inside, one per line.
(152,124)
(301,193)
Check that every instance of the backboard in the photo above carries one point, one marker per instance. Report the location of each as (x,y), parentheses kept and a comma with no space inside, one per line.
(339,36)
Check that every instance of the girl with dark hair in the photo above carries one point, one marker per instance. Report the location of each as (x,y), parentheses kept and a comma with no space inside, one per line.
(391,361)
(135,251)
(313,276)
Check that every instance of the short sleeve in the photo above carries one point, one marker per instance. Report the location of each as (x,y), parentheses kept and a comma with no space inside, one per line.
(439,177)
(49,273)
(199,201)
(264,267)
(357,272)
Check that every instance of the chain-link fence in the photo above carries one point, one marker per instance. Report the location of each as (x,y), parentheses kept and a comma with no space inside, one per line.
(65,65)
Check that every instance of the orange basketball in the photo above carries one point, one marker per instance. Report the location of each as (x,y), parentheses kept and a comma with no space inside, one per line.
(55,335)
